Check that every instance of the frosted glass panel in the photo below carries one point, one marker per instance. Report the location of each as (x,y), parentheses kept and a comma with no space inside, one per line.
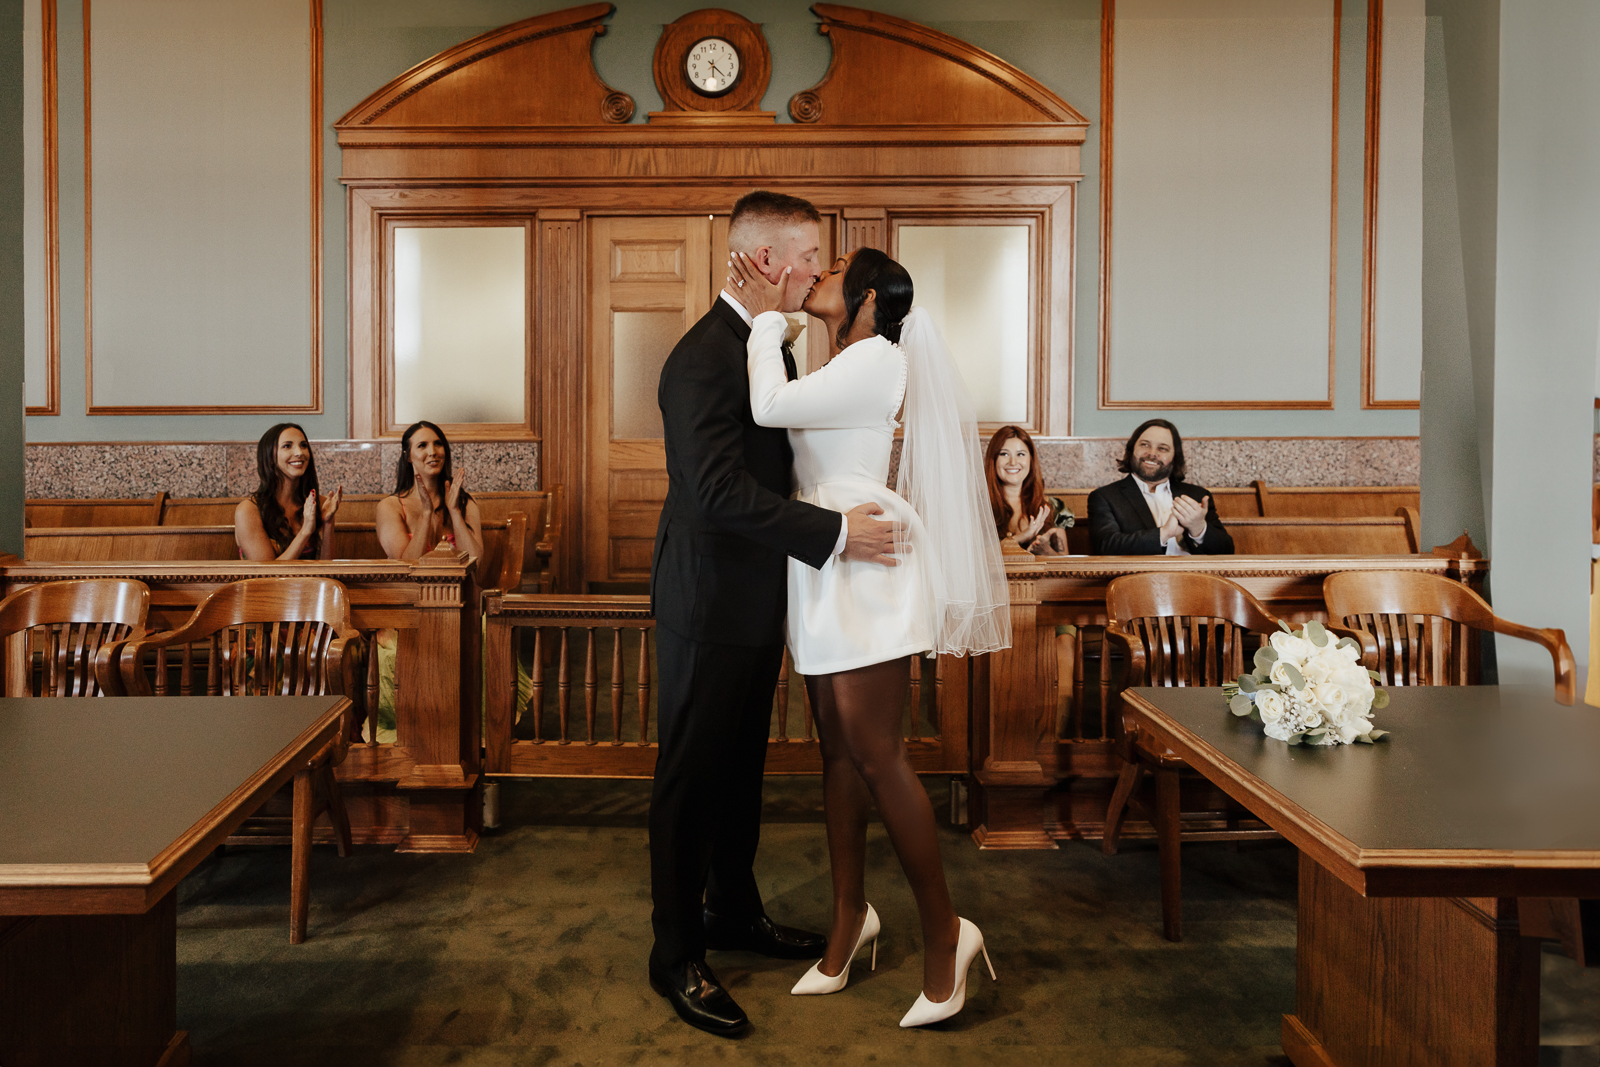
(641,341)
(460,318)
(974,282)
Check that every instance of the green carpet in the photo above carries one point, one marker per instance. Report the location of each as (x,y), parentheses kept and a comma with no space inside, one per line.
(532,951)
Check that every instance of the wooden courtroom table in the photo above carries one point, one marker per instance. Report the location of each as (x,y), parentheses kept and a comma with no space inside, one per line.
(106,805)
(1413,854)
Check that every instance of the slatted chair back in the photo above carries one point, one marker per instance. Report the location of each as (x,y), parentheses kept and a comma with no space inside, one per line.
(1184,629)
(1419,629)
(77,629)
(261,636)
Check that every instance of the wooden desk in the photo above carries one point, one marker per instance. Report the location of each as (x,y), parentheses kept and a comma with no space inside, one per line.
(106,805)
(1413,854)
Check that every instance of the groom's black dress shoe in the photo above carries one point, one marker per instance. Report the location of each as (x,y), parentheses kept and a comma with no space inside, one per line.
(699,999)
(763,936)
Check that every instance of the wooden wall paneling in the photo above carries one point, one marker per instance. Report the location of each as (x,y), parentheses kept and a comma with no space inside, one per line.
(1107,93)
(559,344)
(314,404)
(52,213)
(863,227)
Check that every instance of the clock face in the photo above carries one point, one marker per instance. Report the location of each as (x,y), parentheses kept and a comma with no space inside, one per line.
(712,66)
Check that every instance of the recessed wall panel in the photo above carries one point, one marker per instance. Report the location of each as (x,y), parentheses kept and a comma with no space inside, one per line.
(200,210)
(36,326)
(1221,203)
(1396,363)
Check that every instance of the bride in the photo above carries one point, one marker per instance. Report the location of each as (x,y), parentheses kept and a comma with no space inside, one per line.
(852,626)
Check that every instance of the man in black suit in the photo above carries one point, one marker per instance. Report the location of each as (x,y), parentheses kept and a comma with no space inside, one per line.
(1153,511)
(718,586)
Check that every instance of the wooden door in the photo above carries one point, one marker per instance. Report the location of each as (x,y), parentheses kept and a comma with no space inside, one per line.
(650,279)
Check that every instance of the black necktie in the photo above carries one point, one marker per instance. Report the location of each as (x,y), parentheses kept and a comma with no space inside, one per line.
(788,361)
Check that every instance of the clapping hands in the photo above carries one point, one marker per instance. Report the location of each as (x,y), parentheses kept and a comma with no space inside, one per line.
(1190,514)
(452,490)
(330,504)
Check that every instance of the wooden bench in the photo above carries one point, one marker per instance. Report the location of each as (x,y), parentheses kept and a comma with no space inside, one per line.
(500,567)
(145,511)
(1259,500)
(541,511)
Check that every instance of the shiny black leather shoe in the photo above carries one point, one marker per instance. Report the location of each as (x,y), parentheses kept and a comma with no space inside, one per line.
(699,999)
(763,936)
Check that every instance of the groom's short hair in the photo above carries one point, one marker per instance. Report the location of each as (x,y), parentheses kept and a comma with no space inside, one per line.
(762,210)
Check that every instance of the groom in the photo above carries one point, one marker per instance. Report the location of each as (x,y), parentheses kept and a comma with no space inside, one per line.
(717,584)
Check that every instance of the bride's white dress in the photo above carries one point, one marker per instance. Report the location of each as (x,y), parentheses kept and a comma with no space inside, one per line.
(841,422)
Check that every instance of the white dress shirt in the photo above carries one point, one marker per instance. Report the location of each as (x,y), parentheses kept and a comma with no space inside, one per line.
(844,522)
(1158,498)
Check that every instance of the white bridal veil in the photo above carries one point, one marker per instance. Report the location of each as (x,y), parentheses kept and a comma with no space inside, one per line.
(941,477)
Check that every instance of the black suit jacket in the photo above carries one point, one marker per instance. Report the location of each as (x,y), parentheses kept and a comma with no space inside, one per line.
(720,569)
(1120,523)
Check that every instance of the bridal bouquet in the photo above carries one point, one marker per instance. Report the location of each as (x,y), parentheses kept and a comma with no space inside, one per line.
(1308,689)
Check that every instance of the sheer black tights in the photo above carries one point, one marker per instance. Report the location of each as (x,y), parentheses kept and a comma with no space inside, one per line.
(864,759)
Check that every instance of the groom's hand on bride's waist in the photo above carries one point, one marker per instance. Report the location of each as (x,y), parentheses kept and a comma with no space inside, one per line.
(870,540)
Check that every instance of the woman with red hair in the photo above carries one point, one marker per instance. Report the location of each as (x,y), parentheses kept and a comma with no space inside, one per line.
(1016,493)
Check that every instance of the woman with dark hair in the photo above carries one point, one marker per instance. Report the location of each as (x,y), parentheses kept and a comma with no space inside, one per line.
(1016,494)
(852,626)
(283,518)
(430,503)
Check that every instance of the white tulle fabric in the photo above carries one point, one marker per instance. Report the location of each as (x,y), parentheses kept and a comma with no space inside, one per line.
(841,422)
(941,477)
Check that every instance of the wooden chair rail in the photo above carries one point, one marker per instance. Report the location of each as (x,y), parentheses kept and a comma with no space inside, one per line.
(570,637)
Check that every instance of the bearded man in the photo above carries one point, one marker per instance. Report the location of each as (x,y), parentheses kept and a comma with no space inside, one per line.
(1153,511)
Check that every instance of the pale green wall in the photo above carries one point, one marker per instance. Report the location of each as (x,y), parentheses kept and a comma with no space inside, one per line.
(11,313)
(367,42)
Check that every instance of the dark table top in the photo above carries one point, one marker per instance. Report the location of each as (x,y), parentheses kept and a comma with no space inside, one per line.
(1488,777)
(117,780)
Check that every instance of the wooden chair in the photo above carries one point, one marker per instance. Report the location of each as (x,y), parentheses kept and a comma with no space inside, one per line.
(270,636)
(78,628)
(1418,629)
(1176,629)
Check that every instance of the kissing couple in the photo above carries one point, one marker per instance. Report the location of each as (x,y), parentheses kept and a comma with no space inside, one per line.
(772,530)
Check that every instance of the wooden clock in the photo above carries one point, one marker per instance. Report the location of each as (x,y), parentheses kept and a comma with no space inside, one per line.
(712,67)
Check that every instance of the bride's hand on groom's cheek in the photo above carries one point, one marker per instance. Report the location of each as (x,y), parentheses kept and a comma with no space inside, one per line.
(751,287)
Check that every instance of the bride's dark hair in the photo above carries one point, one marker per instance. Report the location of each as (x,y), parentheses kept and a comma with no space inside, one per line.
(874,270)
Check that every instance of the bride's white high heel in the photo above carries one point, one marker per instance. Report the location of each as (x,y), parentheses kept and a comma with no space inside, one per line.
(814,982)
(968,945)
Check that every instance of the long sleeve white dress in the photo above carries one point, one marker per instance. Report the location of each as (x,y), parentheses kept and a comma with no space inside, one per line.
(841,422)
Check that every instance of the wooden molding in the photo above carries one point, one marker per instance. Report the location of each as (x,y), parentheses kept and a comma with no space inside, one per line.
(1369,210)
(541,64)
(1107,86)
(940,79)
(50,99)
(743,101)
(314,406)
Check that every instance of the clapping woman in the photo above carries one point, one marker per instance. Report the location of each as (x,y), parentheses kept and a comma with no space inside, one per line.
(1016,494)
(430,502)
(286,518)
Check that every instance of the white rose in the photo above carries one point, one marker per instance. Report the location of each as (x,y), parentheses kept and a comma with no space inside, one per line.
(1292,647)
(1329,695)
(1315,670)
(1351,678)
(1279,730)
(1280,673)
(1270,705)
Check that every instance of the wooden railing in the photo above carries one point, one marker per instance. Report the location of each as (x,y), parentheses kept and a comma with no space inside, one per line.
(1040,716)
(556,647)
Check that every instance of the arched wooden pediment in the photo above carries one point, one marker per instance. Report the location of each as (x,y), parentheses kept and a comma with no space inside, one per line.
(887,71)
(537,72)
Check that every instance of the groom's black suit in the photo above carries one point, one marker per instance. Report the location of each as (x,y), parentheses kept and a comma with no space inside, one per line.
(718,586)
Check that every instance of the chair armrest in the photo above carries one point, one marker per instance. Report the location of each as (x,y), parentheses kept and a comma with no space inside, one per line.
(1368,643)
(1134,673)
(346,655)
(107,672)
(1555,641)
(130,662)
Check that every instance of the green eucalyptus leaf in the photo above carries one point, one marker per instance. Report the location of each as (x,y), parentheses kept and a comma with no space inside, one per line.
(1375,734)
(1294,739)
(1248,684)
(1240,705)
(1296,679)
(1364,739)
(1380,699)
(1285,627)
(1266,656)
(1374,675)
(1349,642)
(1316,634)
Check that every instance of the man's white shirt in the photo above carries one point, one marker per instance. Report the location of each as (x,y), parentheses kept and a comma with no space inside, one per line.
(844,522)
(1158,498)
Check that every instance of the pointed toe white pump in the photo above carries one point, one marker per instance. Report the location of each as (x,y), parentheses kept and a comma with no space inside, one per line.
(968,947)
(815,983)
